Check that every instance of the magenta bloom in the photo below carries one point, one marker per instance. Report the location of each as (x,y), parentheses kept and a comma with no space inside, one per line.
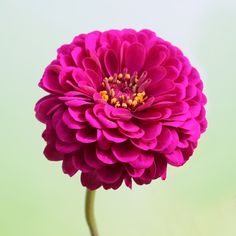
(121,106)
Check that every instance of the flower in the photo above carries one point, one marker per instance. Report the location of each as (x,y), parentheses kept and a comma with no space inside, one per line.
(122,105)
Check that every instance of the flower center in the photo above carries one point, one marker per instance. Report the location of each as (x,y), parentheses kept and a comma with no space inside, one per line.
(124,90)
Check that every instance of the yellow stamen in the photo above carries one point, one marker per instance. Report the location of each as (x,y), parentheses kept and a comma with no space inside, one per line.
(134,103)
(112,92)
(117,104)
(127,76)
(129,102)
(104,95)
(124,105)
(113,100)
(120,76)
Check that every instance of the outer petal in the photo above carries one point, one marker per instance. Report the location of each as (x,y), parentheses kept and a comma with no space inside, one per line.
(125,152)
(135,57)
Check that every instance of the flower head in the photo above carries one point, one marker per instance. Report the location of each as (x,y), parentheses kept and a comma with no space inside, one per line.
(122,105)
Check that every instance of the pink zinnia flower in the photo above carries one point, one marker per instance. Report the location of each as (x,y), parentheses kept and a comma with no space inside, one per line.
(122,105)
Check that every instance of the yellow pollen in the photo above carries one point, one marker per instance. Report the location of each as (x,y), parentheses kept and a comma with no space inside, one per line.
(104,95)
(117,104)
(124,105)
(127,76)
(113,100)
(129,97)
(134,103)
(120,76)
(130,102)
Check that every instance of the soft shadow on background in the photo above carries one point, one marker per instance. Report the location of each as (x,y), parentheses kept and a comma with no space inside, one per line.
(36,198)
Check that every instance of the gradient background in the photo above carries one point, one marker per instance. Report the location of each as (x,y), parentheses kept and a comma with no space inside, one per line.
(37,199)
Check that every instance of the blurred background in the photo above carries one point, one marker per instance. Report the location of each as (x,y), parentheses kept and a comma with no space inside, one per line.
(36,198)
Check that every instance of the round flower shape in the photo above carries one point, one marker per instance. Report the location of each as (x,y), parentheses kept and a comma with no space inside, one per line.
(122,105)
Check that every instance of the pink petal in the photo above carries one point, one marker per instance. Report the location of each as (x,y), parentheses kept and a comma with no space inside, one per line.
(106,156)
(111,62)
(128,126)
(92,119)
(50,79)
(95,78)
(128,181)
(78,54)
(191,92)
(135,57)
(64,133)
(102,142)
(117,113)
(67,147)
(90,64)
(45,106)
(164,139)
(175,158)
(156,55)
(77,113)
(151,130)
(144,160)
(68,166)
(114,135)
(147,176)
(52,154)
(179,108)
(144,144)
(194,108)
(110,174)
(79,163)
(90,157)
(134,172)
(125,152)
(71,123)
(146,105)
(156,74)
(87,135)
(65,76)
(136,135)
(107,123)
(161,166)
(66,60)
(114,185)
(162,87)
(148,114)
(90,180)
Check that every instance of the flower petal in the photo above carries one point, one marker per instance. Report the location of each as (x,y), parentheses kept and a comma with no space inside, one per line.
(175,158)
(68,166)
(106,156)
(135,57)
(144,160)
(87,135)
(114,135)
(125,152)
(52,154)
(110,174)
(111,62)
(90,180)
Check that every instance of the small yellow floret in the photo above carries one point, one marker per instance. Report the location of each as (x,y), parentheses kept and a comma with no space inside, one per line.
(113,100)
(124,105)
(120,76)
(127,76)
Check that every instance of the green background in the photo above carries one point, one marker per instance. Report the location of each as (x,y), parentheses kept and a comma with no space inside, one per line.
(37,199)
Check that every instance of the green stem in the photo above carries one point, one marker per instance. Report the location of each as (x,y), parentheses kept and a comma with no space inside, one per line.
(89,212)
